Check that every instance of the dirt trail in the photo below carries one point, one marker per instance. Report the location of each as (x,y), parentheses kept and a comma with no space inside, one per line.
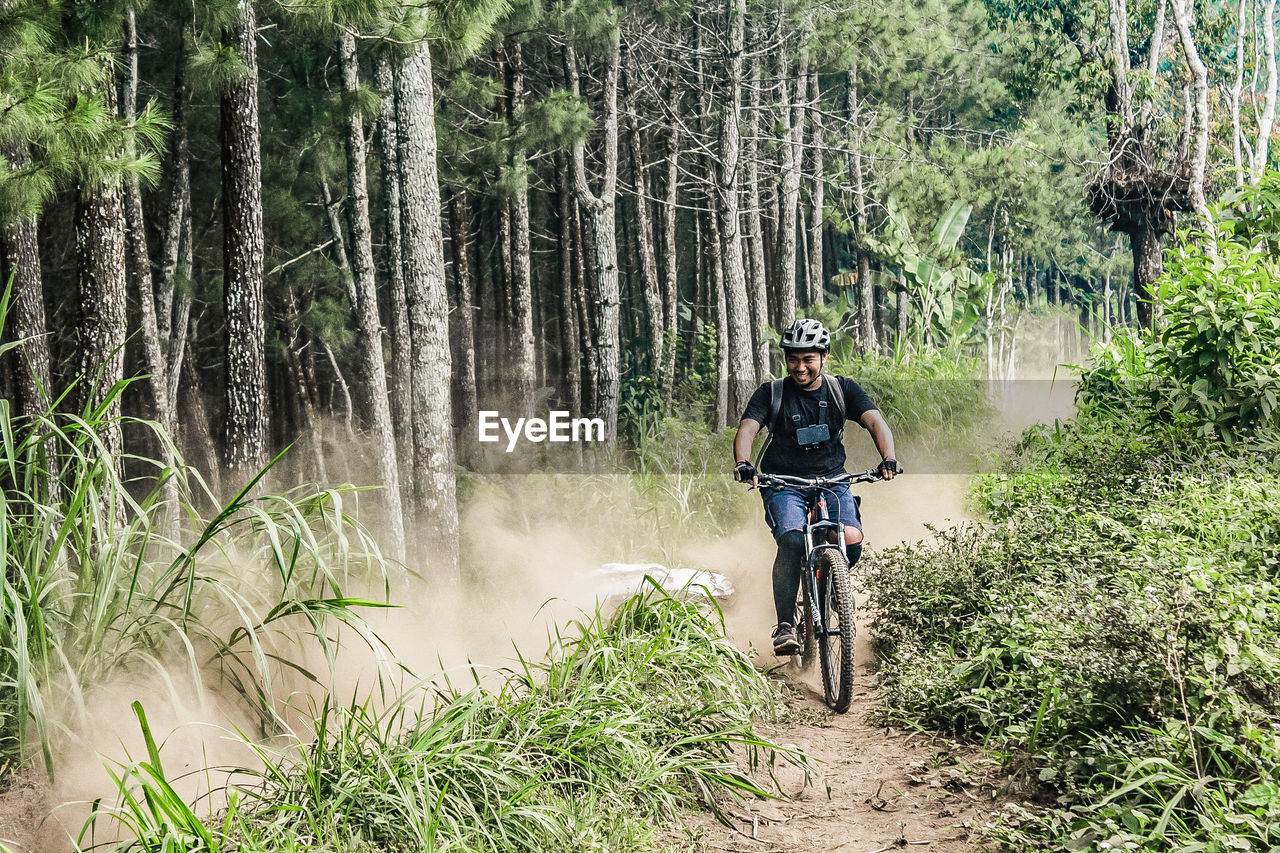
(878,789)
(888,788)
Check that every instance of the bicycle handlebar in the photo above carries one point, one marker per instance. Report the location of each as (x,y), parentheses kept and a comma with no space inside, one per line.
(869,476)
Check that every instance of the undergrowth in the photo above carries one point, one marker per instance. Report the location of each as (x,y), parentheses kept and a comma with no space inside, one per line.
(100,585)
(1113,630)
(631,716)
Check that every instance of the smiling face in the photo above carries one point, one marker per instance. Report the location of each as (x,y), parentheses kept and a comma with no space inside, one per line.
(805,367)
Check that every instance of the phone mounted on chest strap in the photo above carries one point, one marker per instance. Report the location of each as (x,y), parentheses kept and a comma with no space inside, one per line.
(813,435)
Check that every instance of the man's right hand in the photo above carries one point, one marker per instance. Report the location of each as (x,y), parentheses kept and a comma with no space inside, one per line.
(745,472)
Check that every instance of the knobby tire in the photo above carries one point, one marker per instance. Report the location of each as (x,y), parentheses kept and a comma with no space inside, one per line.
(835,593)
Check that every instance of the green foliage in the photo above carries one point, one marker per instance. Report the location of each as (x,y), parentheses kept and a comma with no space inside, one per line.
(1114,633)
(943,286)
(593,748)
(1117,626)
(1219,343)
(1214,362)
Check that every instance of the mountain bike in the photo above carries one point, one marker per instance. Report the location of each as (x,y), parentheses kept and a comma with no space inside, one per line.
(825,606)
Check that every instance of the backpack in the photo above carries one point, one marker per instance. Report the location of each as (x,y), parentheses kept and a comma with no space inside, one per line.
(775,409)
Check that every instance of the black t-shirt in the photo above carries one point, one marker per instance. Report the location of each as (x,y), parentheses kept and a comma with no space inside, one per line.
(785,455)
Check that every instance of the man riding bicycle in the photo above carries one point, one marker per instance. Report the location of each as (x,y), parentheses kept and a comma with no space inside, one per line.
(805,414)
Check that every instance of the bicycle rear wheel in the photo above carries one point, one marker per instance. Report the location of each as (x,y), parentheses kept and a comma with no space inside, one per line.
(836,641)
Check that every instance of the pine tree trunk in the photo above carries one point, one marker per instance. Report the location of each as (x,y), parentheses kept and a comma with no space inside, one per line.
(741,350)
(583,289)
(670,265)
(245,437)
(521,277)
(436,515)
(719,306)
(400,376)
(757,284)
(503,364)
(656,325)
(488,297)
(179,345)
(792,152)
(194,426)
(373,377)
(569,332)
(20,268)
(460,250)
(866,336)
(176,209)
(139,263)
(100,274)
(601,212)
(817,195)
(308,432)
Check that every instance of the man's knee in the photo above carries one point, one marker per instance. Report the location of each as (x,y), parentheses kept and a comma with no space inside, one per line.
(852,536)
(792,540)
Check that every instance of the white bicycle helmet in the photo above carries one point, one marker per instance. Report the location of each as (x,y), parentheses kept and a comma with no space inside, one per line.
(806,334)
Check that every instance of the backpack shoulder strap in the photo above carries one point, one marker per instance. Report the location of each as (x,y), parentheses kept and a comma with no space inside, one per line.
(837,398)
(775,417)
(837,394)
(775,405)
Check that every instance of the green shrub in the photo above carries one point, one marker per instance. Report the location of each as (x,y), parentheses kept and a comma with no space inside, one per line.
(1214,358)
(630,717)
(1114,631)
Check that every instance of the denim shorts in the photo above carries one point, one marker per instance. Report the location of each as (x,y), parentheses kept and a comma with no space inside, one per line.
(784,507)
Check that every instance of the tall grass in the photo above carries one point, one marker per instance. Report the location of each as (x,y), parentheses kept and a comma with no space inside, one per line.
(630,717)
(99,584)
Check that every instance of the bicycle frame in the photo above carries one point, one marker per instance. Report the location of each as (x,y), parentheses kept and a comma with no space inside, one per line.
(818,526)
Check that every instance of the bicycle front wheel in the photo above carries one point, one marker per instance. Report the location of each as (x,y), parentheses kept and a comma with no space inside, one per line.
(836,639)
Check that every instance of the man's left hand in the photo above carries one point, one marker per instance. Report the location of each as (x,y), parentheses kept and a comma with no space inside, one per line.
(888,468)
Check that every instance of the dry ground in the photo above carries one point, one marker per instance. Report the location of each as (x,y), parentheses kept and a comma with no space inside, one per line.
(879,788)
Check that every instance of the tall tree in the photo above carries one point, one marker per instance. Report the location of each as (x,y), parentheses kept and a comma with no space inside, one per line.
(20,269)
(758,278)
(400,378)
(139,262)
(247,406)
(519,271)
(368,322)
(741,356)
(866,289)
(435,489)
(816,278)
(601,213)
(100,274)
(460,252)
(653,309)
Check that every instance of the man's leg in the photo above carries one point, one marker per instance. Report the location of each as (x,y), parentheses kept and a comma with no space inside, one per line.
(852,520)
(853,545)
(786,574)
(784,512)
